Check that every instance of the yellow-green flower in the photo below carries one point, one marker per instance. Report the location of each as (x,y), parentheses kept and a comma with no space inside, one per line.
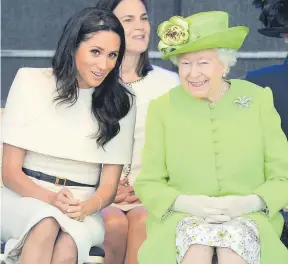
(221,234)
(173,32)
(193,238)
(194,224)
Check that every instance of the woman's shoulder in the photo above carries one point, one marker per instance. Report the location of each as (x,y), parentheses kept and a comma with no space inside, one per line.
(246,86)
(250,90)
(32,82)
(31,91)
(34,73)
(163,102)
(31,79)
(164,75)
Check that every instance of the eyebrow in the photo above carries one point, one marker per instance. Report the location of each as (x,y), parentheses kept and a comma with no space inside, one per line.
(131,16)
(116,51)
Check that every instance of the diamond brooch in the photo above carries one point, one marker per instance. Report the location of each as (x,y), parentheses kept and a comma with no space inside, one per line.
(244,101)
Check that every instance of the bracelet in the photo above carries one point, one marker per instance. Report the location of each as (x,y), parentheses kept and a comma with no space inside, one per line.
(100,203)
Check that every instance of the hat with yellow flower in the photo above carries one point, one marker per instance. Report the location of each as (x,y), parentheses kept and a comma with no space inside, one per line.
(206,30)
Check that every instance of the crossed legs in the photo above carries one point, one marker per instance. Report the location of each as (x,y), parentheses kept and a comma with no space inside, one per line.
(44,244)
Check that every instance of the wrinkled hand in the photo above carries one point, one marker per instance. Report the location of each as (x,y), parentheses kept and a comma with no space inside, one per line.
(235,206)
(63,199)
(201,206)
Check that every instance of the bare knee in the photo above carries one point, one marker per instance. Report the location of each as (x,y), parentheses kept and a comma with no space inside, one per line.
(225,255)
(137,221)
(65,249)
(137,217)
(46,230)
(224,252)
(206,250)
(197,253)
(115,222)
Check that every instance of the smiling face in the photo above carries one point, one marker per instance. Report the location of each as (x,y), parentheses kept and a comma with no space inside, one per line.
(96,57)
(201,73)
(134,19)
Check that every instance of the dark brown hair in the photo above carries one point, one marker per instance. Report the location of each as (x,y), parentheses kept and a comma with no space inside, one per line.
(144,65)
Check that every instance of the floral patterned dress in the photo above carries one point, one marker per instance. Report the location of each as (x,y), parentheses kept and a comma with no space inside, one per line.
(240,234)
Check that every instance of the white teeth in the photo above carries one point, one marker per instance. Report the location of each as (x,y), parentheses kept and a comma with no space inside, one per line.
(138,37)
(198,83)
(97,74)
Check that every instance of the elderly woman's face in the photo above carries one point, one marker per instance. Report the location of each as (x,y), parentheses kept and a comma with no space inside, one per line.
(96,57)
(201,73)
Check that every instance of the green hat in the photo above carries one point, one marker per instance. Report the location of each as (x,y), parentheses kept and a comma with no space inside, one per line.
(206,30)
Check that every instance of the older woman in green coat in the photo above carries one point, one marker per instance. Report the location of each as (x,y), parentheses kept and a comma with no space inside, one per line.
(215,162)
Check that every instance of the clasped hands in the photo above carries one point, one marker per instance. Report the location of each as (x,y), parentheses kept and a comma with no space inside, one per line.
(218,209)
(125,193)
(66,203)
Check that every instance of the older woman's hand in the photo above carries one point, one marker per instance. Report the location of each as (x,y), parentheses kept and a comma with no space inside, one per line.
(235,206)
(201,206)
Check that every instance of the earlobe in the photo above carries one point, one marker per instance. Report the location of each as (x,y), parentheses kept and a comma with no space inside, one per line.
(226,71)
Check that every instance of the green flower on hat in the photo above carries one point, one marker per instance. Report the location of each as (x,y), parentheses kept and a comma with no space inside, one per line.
(173,33)
(205,30)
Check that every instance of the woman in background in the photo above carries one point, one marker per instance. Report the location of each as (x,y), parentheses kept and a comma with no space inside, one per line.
(125,219)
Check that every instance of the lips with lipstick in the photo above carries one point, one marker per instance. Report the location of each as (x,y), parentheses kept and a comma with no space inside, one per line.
(98,75)
(198,84)
(138,37)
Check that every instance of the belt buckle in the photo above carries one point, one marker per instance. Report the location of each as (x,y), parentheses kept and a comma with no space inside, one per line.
(58,179)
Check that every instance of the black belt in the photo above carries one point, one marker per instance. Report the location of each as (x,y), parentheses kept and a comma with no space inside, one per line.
(56,180)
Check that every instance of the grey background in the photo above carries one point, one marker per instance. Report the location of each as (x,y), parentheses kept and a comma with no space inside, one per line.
(37,25)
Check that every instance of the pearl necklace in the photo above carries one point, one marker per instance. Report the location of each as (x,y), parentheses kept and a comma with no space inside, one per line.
(225,89)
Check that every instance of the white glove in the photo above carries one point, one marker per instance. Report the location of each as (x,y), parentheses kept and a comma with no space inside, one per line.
(201,206)
(235,206)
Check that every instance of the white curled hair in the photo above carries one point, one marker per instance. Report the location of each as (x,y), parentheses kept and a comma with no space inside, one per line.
(226,56)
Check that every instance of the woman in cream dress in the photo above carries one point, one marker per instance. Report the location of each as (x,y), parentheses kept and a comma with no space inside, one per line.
(61,128)
(125,219)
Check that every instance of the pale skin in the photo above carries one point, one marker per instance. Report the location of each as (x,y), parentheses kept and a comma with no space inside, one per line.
(46,243)
(125,233)
(134,19)
(201,74)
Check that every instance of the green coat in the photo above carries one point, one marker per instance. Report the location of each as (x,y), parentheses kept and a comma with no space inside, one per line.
(217,149)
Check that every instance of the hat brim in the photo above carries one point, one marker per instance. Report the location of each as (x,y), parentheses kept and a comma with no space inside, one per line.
(230,38)
(275,32)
